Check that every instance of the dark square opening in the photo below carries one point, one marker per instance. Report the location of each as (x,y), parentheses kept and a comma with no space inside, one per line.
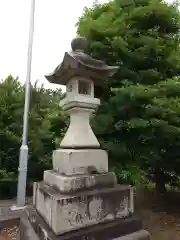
(84,87)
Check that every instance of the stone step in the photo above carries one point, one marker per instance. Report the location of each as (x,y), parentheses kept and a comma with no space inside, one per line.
(67,212)
(74,183)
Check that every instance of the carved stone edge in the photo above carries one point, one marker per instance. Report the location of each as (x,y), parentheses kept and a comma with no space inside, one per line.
(50,191)
(72,184)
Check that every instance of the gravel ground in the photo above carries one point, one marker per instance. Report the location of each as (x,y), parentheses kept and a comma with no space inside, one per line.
(10,233)
(160,216)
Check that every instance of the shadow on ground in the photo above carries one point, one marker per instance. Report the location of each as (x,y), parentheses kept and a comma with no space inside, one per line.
(160,215)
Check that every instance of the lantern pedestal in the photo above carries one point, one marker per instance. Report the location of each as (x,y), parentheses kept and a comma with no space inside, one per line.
(79,134)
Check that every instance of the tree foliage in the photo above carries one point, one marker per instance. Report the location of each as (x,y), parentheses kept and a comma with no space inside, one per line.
(46,127)
(139,121)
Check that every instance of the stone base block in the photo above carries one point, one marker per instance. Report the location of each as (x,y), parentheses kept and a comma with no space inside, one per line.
(80,161)
(69,184)
(120,229)
(69,212)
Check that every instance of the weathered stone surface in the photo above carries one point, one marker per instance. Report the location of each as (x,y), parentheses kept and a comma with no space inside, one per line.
(77,63)
(68,184)
(76,100)
(65,213)
(80,161)
(103,231)
(79,134)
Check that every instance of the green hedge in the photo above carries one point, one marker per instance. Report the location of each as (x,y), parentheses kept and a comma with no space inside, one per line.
(8,188)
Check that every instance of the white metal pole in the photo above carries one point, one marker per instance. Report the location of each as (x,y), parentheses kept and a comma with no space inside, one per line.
(23,156)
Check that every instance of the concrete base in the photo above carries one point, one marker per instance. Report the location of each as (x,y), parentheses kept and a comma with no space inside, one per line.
(69,212)
(69,184)
(80,161)
(120,229)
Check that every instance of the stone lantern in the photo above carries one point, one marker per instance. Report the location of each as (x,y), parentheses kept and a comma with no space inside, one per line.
(80,199)
(80,73)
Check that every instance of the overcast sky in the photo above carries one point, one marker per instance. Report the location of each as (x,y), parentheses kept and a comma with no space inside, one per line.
(54,29)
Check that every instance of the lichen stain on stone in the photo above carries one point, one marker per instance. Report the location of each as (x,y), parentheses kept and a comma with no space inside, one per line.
(95,208)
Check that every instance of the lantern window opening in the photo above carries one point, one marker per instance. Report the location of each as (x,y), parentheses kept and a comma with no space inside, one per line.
(69,88)
(84,87)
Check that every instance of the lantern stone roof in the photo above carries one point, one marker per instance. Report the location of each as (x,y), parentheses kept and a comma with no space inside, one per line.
(78,63)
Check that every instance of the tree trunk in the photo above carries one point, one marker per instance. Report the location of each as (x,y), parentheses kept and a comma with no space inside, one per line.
(160,183)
